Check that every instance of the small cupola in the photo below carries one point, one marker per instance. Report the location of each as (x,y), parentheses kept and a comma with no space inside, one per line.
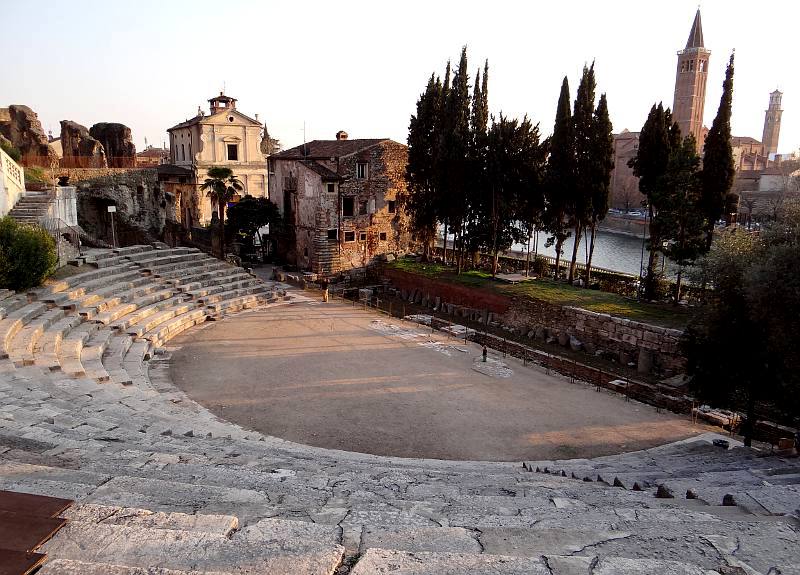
(221,103)
(341,135)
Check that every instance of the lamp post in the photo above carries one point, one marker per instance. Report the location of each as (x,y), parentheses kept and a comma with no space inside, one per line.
(111,210)
(641,261)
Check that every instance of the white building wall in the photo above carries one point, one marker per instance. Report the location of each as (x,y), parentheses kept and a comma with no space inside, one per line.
(12,183)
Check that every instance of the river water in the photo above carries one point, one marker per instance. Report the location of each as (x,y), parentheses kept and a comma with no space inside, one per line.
(617,252)
(612,251)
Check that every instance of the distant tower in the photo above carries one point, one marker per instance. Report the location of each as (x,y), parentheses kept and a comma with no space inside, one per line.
(772,124)
(690,84)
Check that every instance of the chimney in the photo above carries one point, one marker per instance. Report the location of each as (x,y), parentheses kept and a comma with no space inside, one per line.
(341,135)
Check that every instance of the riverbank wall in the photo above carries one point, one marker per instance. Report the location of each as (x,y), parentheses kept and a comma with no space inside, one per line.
(633,226)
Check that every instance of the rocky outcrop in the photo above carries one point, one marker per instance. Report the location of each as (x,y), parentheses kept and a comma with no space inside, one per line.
(80,149)
(116,139)
(21,126)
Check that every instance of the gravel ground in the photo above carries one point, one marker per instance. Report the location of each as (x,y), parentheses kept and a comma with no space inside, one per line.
(340,377)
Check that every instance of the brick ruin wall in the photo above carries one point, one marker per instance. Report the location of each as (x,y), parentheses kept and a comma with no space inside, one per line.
(653,348)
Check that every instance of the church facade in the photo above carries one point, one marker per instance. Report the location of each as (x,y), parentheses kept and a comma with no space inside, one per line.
(224,137)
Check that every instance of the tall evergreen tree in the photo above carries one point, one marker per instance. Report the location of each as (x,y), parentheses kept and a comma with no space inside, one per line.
(580,200)
(603,164)
(441,202)
(514,164)
(718,167)
(419,201)
(454,148)
(650,166)
(478,185)
(680,218)
(560,174)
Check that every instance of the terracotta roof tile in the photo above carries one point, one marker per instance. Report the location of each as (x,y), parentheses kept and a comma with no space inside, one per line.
(325,149)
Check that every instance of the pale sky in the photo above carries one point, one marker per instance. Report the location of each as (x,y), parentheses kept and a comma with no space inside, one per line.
(360,66)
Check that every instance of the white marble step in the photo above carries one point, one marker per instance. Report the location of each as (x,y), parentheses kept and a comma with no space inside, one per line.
(270,546)
(21,347)
(67,567)
(69,354)
(147,311)
(166,330)
(150,323)
(235,290)
(48,347)
(388,561)
(223,525)
(215,285)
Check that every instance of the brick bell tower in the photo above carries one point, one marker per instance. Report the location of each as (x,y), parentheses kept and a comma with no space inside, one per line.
(690,84)
(772,124)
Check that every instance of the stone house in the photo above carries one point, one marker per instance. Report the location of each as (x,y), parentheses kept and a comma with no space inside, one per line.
(225,137)
(339,200)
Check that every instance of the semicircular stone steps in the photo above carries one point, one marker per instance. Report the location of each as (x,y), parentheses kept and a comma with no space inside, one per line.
(162,486)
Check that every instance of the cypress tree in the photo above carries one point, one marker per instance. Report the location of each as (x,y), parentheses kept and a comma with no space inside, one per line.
(423,136)
(718,167)
(580,204)
(560,174)
(454,150)
(477,184)
(602,165)
(680,217)
(514,162)
(441,202)
(650,166)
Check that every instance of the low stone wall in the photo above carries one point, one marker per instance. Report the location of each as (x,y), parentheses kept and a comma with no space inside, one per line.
(85,174)
(651,348)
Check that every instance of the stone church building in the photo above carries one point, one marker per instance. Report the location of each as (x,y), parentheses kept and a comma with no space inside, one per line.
(339,201)
(224,137)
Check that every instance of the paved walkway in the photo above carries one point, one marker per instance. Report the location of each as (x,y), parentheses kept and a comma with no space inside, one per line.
(339,377)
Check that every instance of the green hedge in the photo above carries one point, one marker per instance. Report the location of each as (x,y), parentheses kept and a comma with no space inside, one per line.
(27,255)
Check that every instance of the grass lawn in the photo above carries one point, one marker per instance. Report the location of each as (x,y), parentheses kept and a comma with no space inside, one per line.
(558,293)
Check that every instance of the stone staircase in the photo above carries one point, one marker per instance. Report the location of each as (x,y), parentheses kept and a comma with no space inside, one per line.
(163,487)
(31,208)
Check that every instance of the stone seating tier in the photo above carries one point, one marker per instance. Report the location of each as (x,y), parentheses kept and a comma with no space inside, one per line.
(162,486)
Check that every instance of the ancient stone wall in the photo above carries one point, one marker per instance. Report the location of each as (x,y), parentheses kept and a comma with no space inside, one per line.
(650,347)
(76,175)
(116,140)
(22,127)
(142,206)
(80,149)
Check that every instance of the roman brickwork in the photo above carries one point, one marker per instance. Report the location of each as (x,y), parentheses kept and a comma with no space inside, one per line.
(339,201)
(690,84)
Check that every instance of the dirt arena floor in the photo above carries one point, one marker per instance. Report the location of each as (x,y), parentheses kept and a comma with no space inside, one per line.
(335,376)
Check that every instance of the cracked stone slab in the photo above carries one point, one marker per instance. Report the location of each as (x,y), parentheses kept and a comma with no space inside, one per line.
(532,543)
(431,539)
(761,554)
(280,547)
(222,525)
(383,561)
(67,567)
(624,566)
(156,494)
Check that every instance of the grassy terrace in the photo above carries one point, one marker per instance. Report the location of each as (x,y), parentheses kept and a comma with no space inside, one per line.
(557,293)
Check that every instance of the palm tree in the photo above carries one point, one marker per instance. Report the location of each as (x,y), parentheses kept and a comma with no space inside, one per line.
(221,186)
